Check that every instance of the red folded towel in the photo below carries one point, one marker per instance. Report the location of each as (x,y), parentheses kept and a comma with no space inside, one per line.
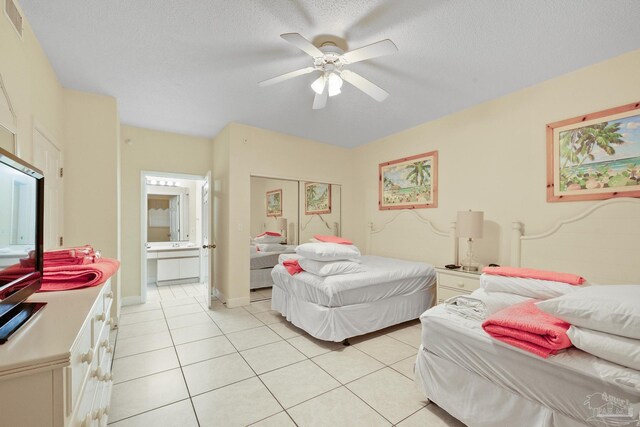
(292,266)
(269,233)
(531,273)
(527,327)
(332,239)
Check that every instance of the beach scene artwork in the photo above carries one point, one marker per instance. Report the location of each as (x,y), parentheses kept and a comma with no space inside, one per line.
(409,183)
(598,160)
(274,203)
(317,198)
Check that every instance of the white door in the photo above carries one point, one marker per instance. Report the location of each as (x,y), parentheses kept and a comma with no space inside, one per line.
(48,158)
(207,240)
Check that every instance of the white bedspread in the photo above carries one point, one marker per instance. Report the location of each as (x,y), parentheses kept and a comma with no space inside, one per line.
(570,383)
(382,278)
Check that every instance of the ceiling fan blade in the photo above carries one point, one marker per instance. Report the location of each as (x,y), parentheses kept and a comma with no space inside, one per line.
(365,85)
(381,48)
(303,44)
(286,76)
(320,100)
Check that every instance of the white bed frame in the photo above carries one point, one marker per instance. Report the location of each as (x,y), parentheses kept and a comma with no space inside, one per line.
(603,245)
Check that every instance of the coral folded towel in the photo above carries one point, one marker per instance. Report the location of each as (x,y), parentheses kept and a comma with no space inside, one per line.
(527,327)
(332,239)
(67,277)
(531,273)
(269,233)
(292,266)
(69,256)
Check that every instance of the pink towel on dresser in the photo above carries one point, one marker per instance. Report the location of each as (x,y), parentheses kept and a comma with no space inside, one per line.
(269,233)
(527,327)
(531,273)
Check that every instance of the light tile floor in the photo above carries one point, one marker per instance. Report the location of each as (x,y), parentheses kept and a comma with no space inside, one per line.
(177,363)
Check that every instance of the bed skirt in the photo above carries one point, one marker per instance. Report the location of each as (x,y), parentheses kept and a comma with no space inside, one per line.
(260,278)
(479,402)
(339,323)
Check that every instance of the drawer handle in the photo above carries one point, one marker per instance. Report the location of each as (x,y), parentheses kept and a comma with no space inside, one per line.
(460,284)
(109,294)
(106,345)
(111,322)
(97,373)
(87,357)
(98,414)
(101,317)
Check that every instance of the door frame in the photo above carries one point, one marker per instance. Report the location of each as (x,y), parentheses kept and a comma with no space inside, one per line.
(143,220)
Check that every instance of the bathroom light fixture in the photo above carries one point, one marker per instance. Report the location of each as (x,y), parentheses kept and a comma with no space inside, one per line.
(177,184)
(154,182)
(170,183)
(162,183)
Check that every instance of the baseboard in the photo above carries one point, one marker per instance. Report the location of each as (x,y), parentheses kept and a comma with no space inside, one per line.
(238,302)
(133,300)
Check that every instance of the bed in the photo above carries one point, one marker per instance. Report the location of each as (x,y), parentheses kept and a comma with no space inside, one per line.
(484,382)
(388,292)
(261,263)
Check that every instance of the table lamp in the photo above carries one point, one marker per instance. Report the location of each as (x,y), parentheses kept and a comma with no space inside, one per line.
(469,226)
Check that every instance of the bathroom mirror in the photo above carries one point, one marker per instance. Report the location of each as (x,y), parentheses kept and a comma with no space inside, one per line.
(168,215)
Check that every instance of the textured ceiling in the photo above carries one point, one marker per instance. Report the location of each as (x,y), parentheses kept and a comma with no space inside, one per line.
(192,66)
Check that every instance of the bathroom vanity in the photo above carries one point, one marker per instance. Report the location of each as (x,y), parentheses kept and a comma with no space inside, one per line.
(171,264)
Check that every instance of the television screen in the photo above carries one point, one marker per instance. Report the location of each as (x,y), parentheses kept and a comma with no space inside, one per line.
(21,188)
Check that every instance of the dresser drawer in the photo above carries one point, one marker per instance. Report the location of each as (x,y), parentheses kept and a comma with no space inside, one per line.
(82,359)
(446,293)
(458,282)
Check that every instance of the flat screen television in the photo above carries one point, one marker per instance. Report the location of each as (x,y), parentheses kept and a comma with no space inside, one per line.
(21,235)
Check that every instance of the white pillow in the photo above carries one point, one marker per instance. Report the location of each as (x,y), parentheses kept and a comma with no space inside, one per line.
(616,349)
(496,301)
(532,288)
(270,247)
(266,238)
(607,308)
(330,268)
(328,251)
(283,257)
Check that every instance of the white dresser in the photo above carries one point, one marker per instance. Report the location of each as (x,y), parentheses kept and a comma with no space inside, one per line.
(56,371)
(456,282)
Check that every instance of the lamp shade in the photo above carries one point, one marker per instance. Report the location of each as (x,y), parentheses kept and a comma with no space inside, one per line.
(282,223)
(469,224)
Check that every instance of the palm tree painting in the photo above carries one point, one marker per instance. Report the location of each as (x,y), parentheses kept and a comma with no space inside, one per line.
(274,203)
(317,198)
(409,183)
(597,158)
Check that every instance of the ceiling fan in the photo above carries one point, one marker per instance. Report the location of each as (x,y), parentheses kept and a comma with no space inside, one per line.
(332,62)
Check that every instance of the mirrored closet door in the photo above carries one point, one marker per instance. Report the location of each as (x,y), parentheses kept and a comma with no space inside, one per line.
(285,213)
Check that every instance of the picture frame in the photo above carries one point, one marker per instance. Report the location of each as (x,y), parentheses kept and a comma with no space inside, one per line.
(317,198)
(274,203)
(595,156)
(409,183)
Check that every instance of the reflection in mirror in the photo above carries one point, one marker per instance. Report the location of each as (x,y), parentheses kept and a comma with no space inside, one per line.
(7,140)
(320,206)
(167,215)
(17,216)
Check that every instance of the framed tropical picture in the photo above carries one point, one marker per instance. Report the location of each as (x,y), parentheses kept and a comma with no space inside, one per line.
(409,183)
(317,198)
(595,156)
(274,202)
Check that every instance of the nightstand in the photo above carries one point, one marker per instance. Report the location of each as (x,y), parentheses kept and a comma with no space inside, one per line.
(456,282)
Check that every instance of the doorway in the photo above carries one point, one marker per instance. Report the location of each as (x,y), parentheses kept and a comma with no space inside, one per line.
(172,232)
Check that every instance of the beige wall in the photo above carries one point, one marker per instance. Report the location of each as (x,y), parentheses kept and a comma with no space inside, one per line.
(32,86)
(492,157)
(254,151)
(148,150)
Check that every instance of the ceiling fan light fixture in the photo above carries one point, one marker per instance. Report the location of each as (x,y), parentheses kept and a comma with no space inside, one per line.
(335,83)
(318,85)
